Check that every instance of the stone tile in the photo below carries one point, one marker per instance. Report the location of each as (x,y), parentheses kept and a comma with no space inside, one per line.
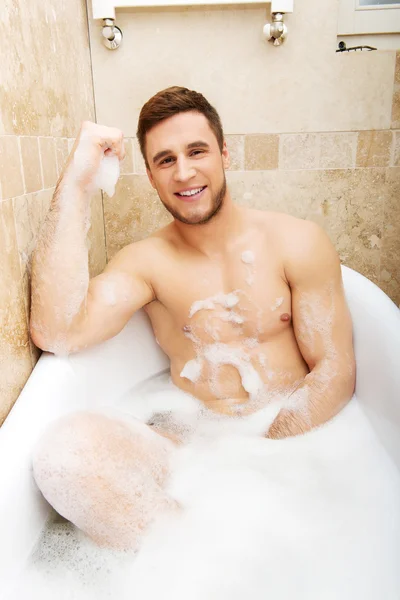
(261,152)
(96,237)
(11,180)
(46,86)
(15,359)
(396,95)
(337,150)
(353,217)
(396,107)
(138,161)
(29,216)
(299,151)
(235,144)
(49,163)
(30,212)
(390,252)
(31,164)
(127,164)
(396,149)
(397,68)
(62,153)
(348,204)
(374,148)
(133,213)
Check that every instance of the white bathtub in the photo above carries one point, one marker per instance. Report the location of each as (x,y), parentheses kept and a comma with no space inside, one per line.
(102,374)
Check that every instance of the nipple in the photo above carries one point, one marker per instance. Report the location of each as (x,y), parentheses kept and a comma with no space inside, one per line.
(285,317)
(187,328)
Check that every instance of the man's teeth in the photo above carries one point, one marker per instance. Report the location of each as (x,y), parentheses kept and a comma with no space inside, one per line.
(190,192)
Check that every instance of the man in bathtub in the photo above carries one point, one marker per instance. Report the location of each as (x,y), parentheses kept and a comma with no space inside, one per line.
(247,304)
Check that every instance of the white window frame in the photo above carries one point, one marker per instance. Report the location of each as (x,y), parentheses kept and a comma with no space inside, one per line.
(357,20)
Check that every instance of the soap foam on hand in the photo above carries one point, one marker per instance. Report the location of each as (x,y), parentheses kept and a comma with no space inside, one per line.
(108,174)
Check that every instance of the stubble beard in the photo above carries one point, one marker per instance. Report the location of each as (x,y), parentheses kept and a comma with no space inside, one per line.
(216,204)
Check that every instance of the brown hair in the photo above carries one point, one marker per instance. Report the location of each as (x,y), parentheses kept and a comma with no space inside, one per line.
(170,102)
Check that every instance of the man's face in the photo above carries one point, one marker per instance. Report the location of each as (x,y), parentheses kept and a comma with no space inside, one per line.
(186,167)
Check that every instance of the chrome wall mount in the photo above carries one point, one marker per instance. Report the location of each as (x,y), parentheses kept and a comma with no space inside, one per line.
(276,31)
(112,35)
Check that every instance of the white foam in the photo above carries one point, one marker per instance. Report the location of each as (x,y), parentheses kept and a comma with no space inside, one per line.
(108,174)
(108,291)
(192,370)
(248,257)
(223,354)
(231,317)
(304,518)
(226,300)
(277,303)
(251,342)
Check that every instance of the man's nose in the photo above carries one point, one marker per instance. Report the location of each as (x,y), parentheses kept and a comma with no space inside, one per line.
(184,170)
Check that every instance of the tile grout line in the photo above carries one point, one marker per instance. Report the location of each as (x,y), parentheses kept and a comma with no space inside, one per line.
(392,149)
(21,278)
(41,164)
(86,10)
(355,151)
(56,156)
(21,163)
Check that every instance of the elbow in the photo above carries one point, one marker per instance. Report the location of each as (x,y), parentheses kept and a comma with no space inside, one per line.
(348,381)
(352,369)
(58,344)
(37,337)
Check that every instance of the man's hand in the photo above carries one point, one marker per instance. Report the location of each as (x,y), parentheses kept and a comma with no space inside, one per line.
(92,144)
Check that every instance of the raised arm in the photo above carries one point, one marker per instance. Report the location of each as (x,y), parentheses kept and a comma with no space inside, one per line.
(323,330)
(67,311)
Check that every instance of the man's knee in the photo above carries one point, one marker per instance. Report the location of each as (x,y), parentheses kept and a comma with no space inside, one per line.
(84,442)
(64,457)
(66,446)
(91,459)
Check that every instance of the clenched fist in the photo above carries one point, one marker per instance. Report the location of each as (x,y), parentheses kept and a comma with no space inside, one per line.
(92,144)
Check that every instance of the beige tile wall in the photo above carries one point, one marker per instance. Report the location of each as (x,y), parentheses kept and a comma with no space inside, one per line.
(46,93)
(36,163)
(348,182)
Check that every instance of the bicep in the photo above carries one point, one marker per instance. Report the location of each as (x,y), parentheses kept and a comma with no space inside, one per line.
(112,298)
(321,318)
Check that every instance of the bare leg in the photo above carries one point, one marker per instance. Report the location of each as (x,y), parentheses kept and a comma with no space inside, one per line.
(105,475)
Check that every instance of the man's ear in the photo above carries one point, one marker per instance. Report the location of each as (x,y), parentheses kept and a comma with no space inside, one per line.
(226,159)
(150,176)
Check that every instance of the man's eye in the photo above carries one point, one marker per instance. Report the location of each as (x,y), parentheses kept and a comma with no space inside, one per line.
(197,152)
(166,160)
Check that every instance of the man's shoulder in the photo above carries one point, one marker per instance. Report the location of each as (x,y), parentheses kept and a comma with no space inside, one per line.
(287,227)
(295,230)
(306,248)
(301,244)
(146,251)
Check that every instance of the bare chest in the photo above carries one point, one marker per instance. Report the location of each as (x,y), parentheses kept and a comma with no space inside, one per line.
(242,300)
